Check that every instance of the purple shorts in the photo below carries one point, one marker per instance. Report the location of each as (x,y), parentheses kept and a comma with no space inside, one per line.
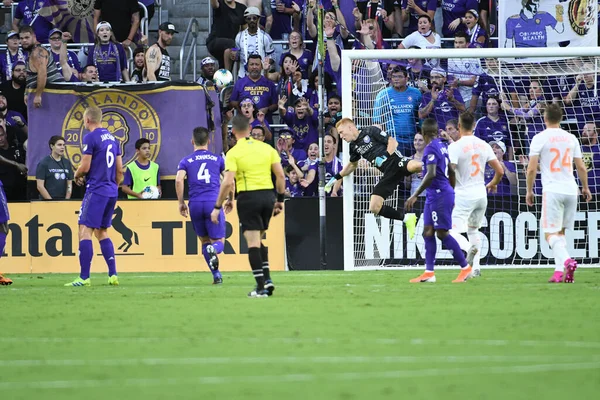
(203,226)
(97,211)
(438,211)
(4,215)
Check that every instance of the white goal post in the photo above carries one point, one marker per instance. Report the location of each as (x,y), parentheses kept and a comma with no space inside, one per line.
(512,234)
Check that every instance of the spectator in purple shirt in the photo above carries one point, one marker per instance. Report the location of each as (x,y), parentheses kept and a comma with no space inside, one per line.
(412,10)
(494,126)
(302,120)
(584,96)
(310,167)
(453,12)
(304,57)
(255,117)
(9,58)
(443,102)
(285,146)
(283,11)
(255,86)
(108,55)
(293,174)
(590,151)
(532,113)
(478,37)
(333,165)
(27,13)
(508,184)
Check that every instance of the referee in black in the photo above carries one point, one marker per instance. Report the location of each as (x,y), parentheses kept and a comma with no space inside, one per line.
(251,162)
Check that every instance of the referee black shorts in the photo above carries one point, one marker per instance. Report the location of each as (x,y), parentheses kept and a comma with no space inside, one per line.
(396,169)
(255,209)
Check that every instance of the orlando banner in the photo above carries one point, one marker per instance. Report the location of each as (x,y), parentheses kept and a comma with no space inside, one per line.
(547,23)
(164,113)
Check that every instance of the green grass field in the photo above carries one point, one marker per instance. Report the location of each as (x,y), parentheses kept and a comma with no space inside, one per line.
(323,335)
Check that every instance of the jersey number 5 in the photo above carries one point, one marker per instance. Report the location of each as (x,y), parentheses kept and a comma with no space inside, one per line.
(203,174)
(110,157)
(565,161)
(475,164)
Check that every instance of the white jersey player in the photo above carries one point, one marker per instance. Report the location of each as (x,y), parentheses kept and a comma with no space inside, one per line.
(468,157)
(555,150)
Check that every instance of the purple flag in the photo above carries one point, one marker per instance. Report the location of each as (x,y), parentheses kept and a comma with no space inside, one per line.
(165,114)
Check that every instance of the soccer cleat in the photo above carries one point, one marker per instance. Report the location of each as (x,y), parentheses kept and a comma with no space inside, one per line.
(471,254)
(4,281)
(258,293)
(113,280)
(557,277)
(410,220)
(427,276)
(80,282)
(217,278)
(465,273)
(269,287)
(213,262)
(476,272)
(570,267)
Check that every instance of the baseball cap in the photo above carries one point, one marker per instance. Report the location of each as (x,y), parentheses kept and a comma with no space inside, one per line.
(166,27)
(53,31)
(207,60)
(251,11)
(11,34)
(500,144)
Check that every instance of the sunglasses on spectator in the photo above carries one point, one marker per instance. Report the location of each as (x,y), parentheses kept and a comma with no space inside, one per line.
(253,18)
(285,136)
(56,38)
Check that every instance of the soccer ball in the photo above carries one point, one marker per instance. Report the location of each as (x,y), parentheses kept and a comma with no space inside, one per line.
(222,78)
(150,192)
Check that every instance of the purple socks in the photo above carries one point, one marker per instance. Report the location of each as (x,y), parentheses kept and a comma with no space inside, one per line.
(2,242)
(86,252)
(218,246)
(108,251)
(451,244)
(430,250)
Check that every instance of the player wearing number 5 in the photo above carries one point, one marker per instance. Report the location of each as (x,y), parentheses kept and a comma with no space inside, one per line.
(468,158)
(102,167)
(203,170)
(439,181)
(555,150)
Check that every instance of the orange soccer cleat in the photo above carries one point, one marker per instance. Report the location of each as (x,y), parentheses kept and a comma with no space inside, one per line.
(427,276)
(465,273)
(4,280)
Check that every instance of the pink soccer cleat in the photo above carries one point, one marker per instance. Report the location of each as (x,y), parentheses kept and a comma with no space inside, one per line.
(557,277)
(570,267)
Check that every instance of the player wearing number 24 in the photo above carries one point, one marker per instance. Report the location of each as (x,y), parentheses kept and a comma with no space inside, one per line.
(103,166)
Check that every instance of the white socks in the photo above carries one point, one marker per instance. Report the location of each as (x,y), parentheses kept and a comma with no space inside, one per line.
(475,240)
(558,244)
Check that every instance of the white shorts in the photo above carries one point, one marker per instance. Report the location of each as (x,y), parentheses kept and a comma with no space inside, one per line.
(468,213)
(558,211)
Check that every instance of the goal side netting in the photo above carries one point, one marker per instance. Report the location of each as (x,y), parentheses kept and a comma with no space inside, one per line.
(511,234)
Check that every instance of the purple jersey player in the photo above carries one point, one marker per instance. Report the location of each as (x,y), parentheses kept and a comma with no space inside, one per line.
(102,165)
(437,214)
(4,217)
(203,170)
(528,28)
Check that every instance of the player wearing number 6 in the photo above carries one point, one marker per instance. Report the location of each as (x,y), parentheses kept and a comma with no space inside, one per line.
(101,164)
(468,157)
(555,150)
(203,170)
(439,181)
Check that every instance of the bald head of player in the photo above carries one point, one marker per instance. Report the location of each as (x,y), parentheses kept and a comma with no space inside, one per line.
(92,118)
(553,115)
(466,123)
(429,130)
(200,138)
(240,127)
(347,129)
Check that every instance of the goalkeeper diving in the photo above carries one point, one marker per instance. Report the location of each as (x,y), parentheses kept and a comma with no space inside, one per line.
(380,149)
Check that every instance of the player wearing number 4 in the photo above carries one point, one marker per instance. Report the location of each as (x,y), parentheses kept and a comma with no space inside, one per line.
(102,164)
(203,170)
(556,150)
(375,146)
(468,157)
(439,181)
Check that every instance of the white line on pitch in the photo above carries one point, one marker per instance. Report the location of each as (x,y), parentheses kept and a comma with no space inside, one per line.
(291,360)
(316,340)
(262,379)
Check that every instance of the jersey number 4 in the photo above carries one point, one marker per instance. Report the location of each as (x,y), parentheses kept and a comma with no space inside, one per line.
(565,160)
(203,174)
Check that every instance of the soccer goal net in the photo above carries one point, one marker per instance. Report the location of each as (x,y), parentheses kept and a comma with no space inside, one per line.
(507,94)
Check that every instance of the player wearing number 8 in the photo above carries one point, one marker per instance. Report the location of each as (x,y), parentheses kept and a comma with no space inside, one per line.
(555,150)
(203,170)
(102,166)
(468,158)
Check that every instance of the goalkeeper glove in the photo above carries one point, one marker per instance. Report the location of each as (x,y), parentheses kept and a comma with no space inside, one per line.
(379,161)
(330,184)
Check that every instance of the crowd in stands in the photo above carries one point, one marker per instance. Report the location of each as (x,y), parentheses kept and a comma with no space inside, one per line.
(270,48)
